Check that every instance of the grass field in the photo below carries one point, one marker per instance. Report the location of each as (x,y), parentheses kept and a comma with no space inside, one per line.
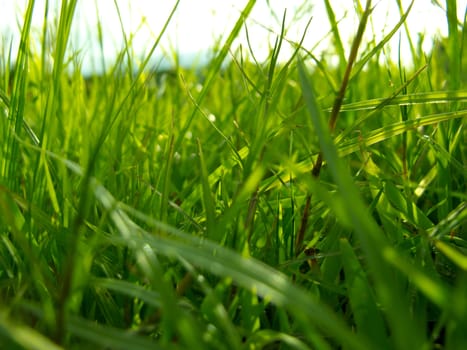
(247,205)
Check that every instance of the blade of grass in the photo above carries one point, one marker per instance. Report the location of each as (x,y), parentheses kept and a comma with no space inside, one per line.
(407,335)
(251,275)
(18,97)
(208,200)
(424,98)
(453,254)
(166,179)
(335,32)
(454,45)
(446,135)
(63,34)
(315,172)
(360,64)
(26,337)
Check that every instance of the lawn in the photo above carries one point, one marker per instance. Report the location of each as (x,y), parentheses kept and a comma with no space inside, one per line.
(239,205)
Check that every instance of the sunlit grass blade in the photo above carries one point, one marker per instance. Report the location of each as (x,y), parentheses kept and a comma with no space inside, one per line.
(454,46)
(359,66)
(11,162)
(251,275)
(61,41)
(452,223)
(424,98)
(386,132)
(335,32)
(369,234)
(457,257)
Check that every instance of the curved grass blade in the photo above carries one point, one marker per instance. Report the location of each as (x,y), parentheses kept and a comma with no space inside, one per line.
(406,100)
(359,66)
(246,272)
(16,111)
(453,254)
(407,335)
(26,337)
(386,132)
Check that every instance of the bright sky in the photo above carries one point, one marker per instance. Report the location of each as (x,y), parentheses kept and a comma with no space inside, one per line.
(198,23)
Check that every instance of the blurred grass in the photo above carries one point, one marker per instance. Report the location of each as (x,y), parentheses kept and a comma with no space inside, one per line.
(161,209)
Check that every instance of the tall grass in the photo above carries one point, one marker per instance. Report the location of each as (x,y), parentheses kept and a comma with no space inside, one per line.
(256,205)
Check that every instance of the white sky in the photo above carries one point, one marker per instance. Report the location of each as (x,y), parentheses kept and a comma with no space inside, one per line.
(198,23)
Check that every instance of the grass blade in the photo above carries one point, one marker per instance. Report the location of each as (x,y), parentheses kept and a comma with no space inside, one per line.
(408,335)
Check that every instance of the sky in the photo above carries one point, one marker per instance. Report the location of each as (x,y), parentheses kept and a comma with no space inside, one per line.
(198,24)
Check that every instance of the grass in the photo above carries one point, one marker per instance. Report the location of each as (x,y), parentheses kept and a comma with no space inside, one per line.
(247,205)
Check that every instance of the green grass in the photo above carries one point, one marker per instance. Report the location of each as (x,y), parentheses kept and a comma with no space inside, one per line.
(247,205)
